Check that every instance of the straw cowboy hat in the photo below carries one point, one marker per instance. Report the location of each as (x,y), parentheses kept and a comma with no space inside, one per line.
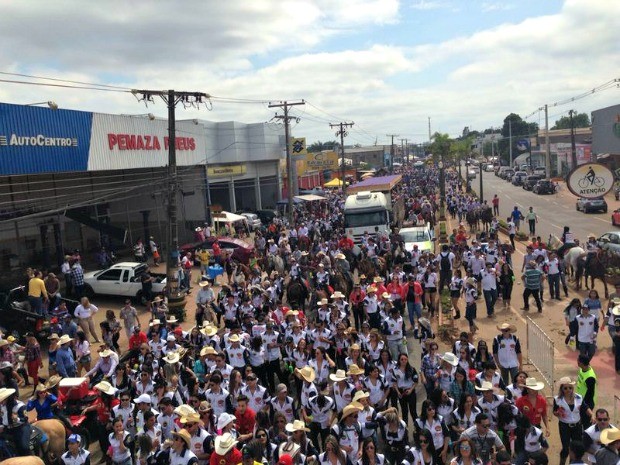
(297,425)
(234,338)
(609,435)
(172,358)
(505,326)
(471,281)
(355,370)
(355,347)
(155,322)
(53,337)
(106,388)
(40,388)
(184,410)
(157,299)
(4,342)
(204,406)
(371,289)
(485,386)
(450,358)
(172,319)
(105,353)
(295,312)
(224,443)
(566,380)
(340,256)
(534,384)
(204,283)
(53,381)
(337,295)
(308,374)
(352,408)
(183,434)
(377,279)
(360,395)
(65,339)
(207,350)
(616,310)
(209,330)
(324,301)
(191,418)
(5,393)
(340,375)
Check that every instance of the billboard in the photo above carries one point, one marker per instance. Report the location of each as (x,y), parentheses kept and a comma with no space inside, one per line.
(326,160)
(41,140)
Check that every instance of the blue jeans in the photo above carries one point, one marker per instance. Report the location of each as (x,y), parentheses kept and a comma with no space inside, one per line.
(36,304)
(490,297)
(414,310)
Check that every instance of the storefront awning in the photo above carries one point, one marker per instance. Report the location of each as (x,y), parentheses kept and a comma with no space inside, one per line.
(310,197)
(82,216)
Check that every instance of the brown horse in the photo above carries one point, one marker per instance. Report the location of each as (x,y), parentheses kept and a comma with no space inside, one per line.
(366,267)
(341,283)
(28,460)
(594,270)
(55,445)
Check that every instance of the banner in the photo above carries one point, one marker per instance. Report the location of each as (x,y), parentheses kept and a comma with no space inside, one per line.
(298,146)
(225,170)
(327,160)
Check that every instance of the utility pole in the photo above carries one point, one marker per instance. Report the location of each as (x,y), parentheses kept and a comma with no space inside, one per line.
(289,165)
(342,132)
(547,146)
(392,149)
(403,147)
(429,130)
(572,140)
(510,140)
(171,98)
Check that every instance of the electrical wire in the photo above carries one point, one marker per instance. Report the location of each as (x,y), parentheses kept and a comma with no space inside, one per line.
(47,84)
(6,73)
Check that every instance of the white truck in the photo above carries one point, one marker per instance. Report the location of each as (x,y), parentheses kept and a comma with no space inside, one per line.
(122,279)
(366,212)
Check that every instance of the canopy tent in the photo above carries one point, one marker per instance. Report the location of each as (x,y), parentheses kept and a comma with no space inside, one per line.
(333,183)
(310,197)
(367,175)
(227,217)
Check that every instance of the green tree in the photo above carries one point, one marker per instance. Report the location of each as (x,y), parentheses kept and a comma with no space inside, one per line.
(580,120)
(320,146)
(441,147)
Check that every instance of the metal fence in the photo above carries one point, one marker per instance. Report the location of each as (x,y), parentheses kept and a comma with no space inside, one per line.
(540,351)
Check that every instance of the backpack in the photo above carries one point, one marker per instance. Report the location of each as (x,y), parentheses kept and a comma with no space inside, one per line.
(445,261)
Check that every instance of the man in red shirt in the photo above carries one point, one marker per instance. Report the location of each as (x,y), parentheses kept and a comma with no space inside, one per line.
(225,451)
(137,338)
(345,243)
(217,252)
(246,419)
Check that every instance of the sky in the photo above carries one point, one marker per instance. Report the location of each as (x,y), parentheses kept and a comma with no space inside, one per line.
(386,65)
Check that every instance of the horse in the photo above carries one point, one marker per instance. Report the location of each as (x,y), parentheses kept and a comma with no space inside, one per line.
(56,433)
(366,267)
(472,220)
(27,460)
(595,269)
(341,282)
(296,294)
(570,260)
(486,216)
(275,263)
(303,242)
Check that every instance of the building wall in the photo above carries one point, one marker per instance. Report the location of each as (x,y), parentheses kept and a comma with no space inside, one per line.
(606,130)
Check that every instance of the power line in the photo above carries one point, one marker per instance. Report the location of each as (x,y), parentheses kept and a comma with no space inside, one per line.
(5,73)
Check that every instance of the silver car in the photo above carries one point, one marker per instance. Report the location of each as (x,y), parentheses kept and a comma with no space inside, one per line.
(253,221)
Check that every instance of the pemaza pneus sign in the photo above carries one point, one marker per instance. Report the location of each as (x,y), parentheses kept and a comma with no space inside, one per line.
(41,140)
(590,181)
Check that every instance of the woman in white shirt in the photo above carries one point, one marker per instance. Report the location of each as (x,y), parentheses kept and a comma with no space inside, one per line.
(82,353)
(120,443)
(430,289)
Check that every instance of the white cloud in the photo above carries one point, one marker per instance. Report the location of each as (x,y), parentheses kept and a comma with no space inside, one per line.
(426,5)
(488,7)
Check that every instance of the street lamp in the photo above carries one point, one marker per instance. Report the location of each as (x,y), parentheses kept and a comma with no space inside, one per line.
(51,104)
(442,191)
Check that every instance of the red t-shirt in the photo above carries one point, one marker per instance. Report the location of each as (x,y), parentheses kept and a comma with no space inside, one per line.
(245,422)
(136,340)
(232,458)
(534,414)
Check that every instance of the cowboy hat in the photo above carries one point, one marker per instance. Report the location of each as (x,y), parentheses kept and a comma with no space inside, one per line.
(172,319)
(485,386)
(355,347)
(337,295)
(204,283)
(204,406)
(566,380)
(509,326)
(291,313)
(234,338)
(340,256)
(360,395)
(377,279)
(224,443)
(533,384)
(324,301)
(371,289)
(4,342)
(616,310)
(385,295)
(40,388)
(53,381)
(209,330)
(106,388)
(471,281)
(424,322)
(351,408)
(5,393)
(207,350)
(450,358)
(192,417)
(297,425)
(355,370)
(156,321)
(53,336)
(184,410)
(64,339)
(340,375)
(307,373)
(157,300)
(172,358)
(105,353)
(183,434)
(609,435)
(224,419)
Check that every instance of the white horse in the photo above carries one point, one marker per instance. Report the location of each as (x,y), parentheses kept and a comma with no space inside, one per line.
(570,260)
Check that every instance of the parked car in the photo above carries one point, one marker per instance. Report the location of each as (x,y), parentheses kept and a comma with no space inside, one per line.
(615,217)
(471,174)
(241,250)
(121,279)
(610,241)
(540,170)
(518,177)
(525,167)
(267,216)
(544,187)
(489,167)
(591,205)
(530,181)
(617,192)
(507,173)
(253,221)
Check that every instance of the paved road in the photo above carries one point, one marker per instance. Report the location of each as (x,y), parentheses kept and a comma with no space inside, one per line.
(554,211)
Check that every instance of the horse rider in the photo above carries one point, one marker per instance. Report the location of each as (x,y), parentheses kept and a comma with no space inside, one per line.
(591,249)
(342,265)
(322,277)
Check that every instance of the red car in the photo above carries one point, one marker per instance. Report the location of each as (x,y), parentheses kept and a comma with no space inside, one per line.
(615,217)
(241,250)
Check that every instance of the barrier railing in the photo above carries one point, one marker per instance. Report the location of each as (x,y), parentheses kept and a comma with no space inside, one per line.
(615,418)
(540,349)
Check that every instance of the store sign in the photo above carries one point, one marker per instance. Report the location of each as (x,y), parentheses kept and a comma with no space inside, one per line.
(590,181)
(298,146)
(37,141)
(147,142)
(227,170)
(327,160)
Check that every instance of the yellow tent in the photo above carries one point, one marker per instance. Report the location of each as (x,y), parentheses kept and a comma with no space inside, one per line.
(333,183)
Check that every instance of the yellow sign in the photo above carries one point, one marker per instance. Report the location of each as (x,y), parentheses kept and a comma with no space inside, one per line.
(298,146)
(225,170)
(326,160)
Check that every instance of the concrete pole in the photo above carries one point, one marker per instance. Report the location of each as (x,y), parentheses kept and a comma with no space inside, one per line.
(547,145)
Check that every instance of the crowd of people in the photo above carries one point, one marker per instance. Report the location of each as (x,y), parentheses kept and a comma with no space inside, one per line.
(333,381)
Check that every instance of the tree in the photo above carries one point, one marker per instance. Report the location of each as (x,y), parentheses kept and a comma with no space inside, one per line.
(580,120)
(440,147)
(320,146)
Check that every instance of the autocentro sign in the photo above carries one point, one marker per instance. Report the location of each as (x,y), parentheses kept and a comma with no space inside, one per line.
(590,181)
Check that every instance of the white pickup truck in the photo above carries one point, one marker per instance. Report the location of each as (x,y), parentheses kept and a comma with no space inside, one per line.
(121,279)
